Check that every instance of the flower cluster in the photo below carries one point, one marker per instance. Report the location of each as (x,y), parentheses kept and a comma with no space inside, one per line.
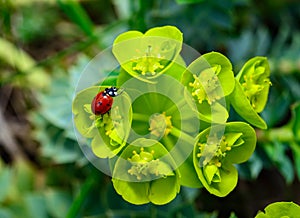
(169,126)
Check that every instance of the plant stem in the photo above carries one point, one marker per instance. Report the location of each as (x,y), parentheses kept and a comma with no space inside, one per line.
(85,190)
(283,134)
(182,135)
(140,117)
(167,143)
(176,106)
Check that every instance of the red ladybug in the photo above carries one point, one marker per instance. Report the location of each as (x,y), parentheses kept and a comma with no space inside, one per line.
(103,101)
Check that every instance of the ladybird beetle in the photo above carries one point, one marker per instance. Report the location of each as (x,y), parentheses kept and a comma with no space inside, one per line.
(103,101)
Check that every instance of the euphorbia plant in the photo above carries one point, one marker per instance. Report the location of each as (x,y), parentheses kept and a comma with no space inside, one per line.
(168,127)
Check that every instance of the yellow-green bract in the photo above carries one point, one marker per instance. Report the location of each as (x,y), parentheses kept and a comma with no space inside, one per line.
(146,56)
(210,79)
(215,153)
(145,172)
(280,210)
(109,131)
(251,91)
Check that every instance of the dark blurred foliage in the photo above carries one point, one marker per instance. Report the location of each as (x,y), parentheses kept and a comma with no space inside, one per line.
(44,46)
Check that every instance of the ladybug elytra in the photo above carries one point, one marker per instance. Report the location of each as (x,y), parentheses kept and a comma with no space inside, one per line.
(103,101)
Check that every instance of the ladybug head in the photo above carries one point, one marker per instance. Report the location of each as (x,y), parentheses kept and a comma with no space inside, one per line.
(112,91)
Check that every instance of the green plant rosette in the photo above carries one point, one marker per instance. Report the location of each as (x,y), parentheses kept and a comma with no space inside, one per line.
(146,56)
(280,210)
(251,90)
(215,153)
(108,132)
(151,135)
(209,79)
(146,172)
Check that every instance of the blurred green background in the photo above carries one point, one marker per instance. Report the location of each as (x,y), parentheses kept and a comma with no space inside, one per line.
(45,45)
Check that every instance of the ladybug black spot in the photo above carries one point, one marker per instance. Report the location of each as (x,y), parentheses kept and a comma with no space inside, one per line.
(112,91)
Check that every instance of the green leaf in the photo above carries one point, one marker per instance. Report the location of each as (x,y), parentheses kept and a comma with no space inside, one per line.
(280,210)
(58,203)
(75,12)
(146,56)
(56,103)
(277,153)
(57,145)
(35,205)
(296,154)
(78,202)
(296,120)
